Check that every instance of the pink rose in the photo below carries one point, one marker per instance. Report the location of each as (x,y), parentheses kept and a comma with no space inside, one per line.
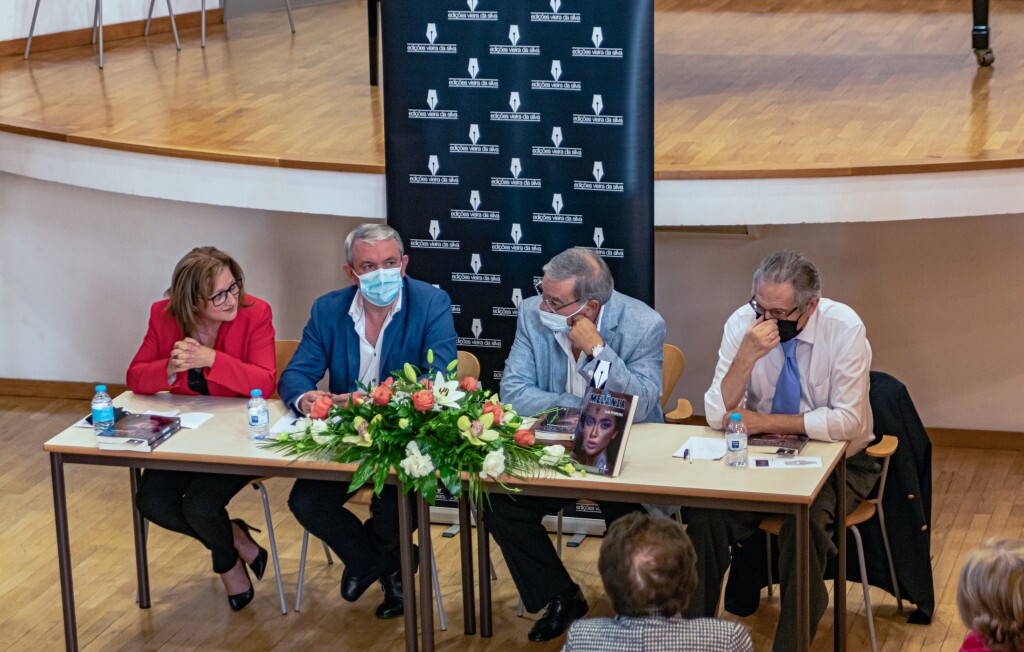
(356,398)
(381,394)
(468,384)
(525,437)
(496,410)
(321,407)
(423,400)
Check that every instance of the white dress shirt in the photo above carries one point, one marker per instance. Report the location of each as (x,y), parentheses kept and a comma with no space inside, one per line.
(370,354)
(575,382)
(834,358)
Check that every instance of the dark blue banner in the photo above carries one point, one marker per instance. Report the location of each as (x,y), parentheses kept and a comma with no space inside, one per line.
(516,129)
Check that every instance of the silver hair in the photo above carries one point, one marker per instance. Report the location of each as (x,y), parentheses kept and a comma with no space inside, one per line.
(593,279)
(372,233)
(793,268)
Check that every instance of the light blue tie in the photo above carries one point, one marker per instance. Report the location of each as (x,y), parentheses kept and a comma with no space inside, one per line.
(787,387)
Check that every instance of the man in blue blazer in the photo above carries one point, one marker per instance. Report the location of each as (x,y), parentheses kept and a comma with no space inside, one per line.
(577,321)
(360,335)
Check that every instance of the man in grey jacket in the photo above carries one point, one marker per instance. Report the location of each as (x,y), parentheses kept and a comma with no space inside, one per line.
(576,322)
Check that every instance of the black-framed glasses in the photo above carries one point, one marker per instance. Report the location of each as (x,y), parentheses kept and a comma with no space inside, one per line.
(222,296)
(539,287)
(774,313)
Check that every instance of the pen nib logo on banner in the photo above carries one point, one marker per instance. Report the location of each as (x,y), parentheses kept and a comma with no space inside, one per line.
(432,113)
(557,217)
(600,250)
(431,46)
(474,146)
(505,311)
(472,81)
(476,341)
(515,181)
(472,14)
(555,83)
(597,38)
(557,150)
(434,243)
(516,246)
(596,118)
(598,183)
(515,48)
(475,214)
(553,16)
(514,115)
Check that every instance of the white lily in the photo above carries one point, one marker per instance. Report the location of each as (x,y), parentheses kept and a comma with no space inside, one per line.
(446,392)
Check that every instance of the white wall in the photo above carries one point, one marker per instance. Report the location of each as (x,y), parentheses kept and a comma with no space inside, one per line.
(64,15)
(941,298)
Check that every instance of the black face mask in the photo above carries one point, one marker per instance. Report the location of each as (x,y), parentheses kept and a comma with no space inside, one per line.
(788,329)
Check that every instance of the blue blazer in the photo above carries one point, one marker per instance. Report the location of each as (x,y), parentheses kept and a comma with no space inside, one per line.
(330,343)
(535,371)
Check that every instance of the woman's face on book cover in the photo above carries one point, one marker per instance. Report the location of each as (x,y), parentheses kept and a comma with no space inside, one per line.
(599,428)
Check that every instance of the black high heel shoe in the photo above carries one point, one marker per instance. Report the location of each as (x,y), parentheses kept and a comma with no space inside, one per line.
(238,601)
(259,564)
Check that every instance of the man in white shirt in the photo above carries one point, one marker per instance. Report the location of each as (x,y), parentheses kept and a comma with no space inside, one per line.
(577,322)
(790,362)
(357,336)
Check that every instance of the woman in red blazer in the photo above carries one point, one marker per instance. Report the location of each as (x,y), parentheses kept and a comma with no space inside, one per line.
(208,337)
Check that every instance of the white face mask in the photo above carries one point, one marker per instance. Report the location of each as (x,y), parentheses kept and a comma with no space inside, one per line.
(381,286)
(557,323)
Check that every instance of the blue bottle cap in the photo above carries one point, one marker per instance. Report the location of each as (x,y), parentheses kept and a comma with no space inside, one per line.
(735,416)
(256,393)
(101,388)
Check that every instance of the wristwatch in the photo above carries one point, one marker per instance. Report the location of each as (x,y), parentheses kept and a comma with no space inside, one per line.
(596,351)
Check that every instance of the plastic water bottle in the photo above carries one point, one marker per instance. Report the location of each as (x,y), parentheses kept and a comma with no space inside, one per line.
(259,416)
(102,411)
(736,442)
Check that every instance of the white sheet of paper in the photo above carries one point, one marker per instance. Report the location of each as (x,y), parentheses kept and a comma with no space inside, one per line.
(775,462)
(703,448)
(194,419)
(284,424)
(165,413)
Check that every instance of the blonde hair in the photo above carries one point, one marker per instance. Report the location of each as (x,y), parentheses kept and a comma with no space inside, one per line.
(990,596)
(192,284)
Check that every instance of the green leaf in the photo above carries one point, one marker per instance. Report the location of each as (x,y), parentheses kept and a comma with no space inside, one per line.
(361,475)
(380,476)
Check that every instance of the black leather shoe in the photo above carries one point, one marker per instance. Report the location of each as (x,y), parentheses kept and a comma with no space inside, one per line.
(394,604)
(259,564)
(239,600)
(353,587)
(559,615)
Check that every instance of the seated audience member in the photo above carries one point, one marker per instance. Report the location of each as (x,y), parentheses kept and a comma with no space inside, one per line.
(208,337)
(576,321)
(790,362)
(360,334)
(647,568)
(990,597)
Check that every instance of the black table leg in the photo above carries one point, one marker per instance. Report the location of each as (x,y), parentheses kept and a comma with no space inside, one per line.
(141,558)
(484,551)
(426,576)
(839,587)
(466,543)
(372,27)
(60,517)
(408,577)
(980,34)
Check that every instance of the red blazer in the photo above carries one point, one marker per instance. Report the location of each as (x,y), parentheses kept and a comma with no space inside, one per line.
(245,354)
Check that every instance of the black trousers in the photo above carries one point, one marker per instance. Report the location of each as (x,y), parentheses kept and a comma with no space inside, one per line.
(369,549)
(515,523)
(713,531)
(193,504)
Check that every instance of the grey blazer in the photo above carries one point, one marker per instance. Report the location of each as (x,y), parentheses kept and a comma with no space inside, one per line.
(633,333)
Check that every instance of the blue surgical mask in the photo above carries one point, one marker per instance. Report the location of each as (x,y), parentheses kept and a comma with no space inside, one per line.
(557,323)
(381,286)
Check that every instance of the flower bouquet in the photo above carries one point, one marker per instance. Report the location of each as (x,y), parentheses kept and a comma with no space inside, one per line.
(425,429)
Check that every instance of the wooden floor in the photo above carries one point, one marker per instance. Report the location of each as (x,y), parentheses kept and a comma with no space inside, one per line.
(976,495)
(743,88)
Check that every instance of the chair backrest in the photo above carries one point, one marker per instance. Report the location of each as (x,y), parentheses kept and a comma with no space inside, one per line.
(671,370)
(883,450)
(468,365)
(283,352)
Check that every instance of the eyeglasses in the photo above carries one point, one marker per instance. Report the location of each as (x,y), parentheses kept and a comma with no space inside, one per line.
(222,296)
(774,313)
(540,292)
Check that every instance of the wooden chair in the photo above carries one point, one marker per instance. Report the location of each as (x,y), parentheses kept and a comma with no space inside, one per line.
(202,42)
(883,450)
(671,369)
(469,365)
(283,352)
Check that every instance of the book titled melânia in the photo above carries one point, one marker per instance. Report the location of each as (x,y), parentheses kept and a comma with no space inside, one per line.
(605,418)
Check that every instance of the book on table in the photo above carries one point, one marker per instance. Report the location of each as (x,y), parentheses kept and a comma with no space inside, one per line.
(774,442)
(138,432)
(558,424)
(602,430)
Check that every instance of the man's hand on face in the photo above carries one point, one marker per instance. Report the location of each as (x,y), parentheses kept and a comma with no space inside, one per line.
(760,338)
(583,334)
